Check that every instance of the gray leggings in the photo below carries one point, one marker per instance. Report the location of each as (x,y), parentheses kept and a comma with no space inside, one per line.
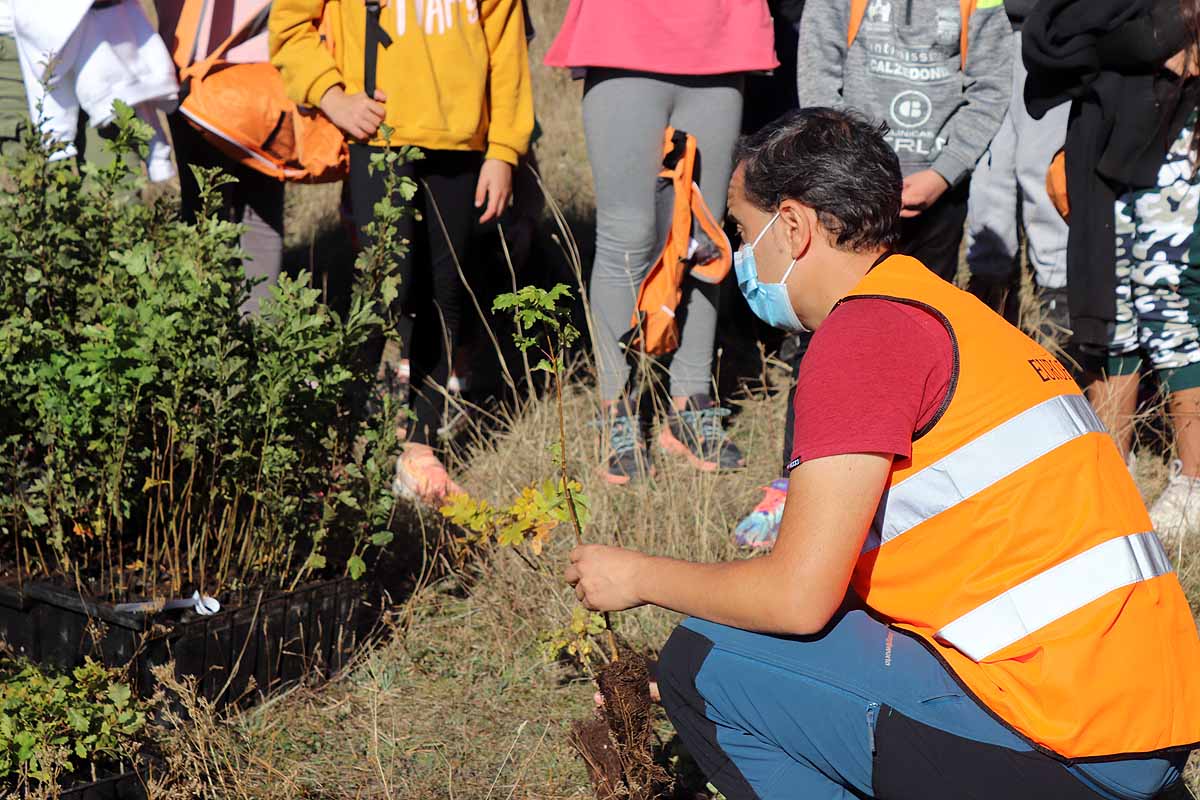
(624,116)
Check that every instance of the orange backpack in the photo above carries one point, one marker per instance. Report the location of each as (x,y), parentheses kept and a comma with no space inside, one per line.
(243,110)
(858,9)
(694,244)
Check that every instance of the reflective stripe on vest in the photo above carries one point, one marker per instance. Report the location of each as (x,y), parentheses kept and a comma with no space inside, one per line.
(1051,595)
(980,463)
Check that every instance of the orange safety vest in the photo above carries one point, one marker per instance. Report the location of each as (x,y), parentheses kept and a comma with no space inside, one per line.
(1015,544)
(693,244)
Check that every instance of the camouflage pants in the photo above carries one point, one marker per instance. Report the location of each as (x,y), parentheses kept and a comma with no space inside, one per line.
(1158,274)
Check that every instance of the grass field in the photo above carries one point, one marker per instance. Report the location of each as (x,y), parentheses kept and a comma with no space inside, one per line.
(460,703)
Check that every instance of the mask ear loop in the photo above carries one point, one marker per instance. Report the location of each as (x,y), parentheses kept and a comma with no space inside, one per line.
(788,272)
(763,232)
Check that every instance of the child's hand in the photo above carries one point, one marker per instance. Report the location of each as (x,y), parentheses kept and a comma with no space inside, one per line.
(494,188)
(921,190)
(357,115)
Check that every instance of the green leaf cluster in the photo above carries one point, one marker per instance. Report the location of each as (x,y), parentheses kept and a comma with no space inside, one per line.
(529,519)
(538,310)
(145,421)
(52,724)
(576,640)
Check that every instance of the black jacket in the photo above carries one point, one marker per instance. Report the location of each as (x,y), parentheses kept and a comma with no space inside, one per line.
(1106,56)
(1018,11)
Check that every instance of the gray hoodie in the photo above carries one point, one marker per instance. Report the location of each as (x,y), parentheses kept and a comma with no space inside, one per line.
(905,69)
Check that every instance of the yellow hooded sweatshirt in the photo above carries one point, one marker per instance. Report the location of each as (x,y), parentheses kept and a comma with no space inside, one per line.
(456,74)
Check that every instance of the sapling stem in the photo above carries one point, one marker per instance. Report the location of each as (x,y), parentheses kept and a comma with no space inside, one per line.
(562,463)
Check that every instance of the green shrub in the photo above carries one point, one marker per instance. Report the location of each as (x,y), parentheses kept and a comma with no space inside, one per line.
(54,724)
(152,438)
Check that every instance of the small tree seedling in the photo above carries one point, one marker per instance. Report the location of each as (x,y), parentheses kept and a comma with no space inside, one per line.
(534,308)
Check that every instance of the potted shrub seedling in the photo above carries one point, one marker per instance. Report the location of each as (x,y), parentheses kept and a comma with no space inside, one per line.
(157,443)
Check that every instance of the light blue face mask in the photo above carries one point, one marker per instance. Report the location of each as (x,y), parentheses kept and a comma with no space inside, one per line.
(768,301)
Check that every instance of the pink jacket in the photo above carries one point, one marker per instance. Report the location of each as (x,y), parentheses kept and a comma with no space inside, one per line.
(672,37)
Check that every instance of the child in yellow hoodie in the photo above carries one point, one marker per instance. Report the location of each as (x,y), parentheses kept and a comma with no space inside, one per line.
(452,78)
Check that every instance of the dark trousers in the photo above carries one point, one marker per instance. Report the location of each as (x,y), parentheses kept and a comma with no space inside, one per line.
(935,235)
(431,291)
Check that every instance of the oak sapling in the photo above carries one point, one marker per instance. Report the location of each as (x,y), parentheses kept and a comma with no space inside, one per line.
(537,310)
(616,745)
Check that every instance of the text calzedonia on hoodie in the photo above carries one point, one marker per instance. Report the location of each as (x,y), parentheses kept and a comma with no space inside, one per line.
(905,68)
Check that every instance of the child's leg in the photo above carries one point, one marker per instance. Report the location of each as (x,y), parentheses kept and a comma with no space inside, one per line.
(448,206)
(365,190)
(710,109)
(992,246)
(53,105)
(1112,390)
(933,237)
(624,117)
(262,202)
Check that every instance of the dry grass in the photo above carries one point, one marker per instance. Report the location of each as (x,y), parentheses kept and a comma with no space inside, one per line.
(460,703)
(561,152)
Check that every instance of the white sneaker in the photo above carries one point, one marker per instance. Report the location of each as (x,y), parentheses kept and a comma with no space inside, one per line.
(1176,512)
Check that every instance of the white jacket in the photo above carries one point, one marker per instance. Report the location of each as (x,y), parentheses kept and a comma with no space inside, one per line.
(75,57)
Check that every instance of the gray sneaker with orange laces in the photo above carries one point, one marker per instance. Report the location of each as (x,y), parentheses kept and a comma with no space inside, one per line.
(697,434)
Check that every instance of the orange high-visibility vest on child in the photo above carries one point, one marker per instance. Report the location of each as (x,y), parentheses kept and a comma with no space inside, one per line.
(1064,619)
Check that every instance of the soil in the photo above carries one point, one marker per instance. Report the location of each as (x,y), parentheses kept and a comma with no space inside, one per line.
(591,739)
(617,746)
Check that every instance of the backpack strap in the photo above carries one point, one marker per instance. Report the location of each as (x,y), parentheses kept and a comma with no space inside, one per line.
(252,27)
(965,9)
(375,37)
(858,10)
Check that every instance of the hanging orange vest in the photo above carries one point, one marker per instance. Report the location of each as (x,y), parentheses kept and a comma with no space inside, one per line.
(694,244)
(1016,545)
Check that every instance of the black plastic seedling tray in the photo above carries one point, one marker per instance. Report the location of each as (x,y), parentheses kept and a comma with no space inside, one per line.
(275,639)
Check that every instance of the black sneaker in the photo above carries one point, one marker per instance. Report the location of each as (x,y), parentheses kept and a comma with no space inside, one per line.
(696,433)
(628,457)
(1055,323)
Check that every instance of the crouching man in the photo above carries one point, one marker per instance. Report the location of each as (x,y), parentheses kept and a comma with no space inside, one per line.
(967,599)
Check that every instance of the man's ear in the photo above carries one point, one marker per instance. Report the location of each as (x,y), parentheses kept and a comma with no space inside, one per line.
(799,225)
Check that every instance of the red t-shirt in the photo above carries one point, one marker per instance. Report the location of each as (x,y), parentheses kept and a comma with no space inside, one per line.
(875,372)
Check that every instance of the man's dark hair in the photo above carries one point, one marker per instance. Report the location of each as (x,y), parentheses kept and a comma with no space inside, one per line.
(836,163)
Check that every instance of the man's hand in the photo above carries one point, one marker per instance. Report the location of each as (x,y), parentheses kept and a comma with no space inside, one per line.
(605,578)
(494,188)
(357,115)
(921,190)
